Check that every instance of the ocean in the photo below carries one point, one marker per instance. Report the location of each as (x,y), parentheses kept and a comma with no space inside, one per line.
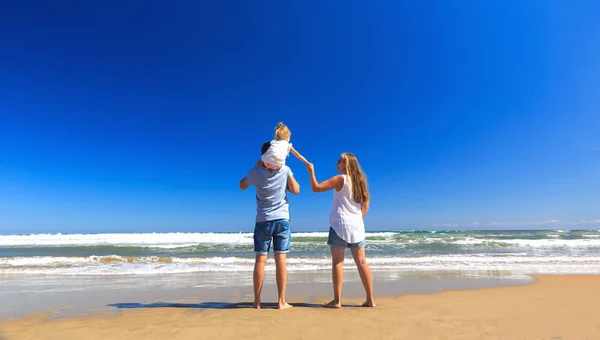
(529,251)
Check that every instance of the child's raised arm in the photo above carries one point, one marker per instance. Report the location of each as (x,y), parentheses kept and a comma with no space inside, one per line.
(298,155)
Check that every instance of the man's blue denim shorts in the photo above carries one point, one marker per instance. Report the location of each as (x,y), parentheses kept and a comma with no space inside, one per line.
(278,231)
(335,241)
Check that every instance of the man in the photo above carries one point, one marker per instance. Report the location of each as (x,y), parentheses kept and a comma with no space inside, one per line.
(272,222)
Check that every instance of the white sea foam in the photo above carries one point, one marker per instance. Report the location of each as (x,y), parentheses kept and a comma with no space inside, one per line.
(115,265)
(543,243)
(160,240)
(313,234)
(178,240)
(155,240)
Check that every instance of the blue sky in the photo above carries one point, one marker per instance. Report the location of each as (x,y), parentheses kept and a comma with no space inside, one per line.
(142,116)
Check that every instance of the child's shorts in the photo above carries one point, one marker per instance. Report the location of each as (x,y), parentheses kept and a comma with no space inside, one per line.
(271,166)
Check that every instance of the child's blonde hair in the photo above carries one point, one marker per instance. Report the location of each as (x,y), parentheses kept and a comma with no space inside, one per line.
(282,132)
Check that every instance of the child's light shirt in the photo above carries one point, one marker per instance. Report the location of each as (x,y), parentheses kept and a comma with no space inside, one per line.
(275,156)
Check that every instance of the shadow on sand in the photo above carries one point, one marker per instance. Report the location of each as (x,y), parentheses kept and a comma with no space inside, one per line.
(212,305)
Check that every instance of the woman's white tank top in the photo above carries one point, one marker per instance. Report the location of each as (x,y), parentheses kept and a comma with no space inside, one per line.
(346,215)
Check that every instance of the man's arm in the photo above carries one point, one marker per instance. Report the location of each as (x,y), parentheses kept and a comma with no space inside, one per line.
(248,180)
(292,185)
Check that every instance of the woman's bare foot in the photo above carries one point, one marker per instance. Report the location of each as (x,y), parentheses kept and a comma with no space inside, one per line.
(368,304)
(284,305)
(332,304)
(256,305)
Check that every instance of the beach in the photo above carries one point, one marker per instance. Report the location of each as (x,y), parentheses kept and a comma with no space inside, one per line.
(429,285)
(552,307)
(169,169)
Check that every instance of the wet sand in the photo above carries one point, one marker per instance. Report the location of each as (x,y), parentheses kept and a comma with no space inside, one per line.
(68,296)
(553,307)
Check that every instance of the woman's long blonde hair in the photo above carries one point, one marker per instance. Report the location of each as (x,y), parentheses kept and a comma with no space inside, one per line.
(358,180)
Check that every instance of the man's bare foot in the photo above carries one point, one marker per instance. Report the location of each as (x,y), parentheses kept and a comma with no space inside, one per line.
(369,304)
(256,305)
(284,305)
(332,304)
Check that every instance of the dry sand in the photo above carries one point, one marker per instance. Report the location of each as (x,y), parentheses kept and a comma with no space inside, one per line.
(553,307)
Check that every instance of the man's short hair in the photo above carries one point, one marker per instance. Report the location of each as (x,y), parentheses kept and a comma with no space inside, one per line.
(265,147)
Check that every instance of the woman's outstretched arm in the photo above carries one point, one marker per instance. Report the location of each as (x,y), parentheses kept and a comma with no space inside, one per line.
(335,182)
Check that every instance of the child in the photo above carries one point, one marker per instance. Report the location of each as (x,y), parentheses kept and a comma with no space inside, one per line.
(280,148)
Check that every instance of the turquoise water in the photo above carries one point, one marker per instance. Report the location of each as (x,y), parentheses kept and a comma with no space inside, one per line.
(545,251)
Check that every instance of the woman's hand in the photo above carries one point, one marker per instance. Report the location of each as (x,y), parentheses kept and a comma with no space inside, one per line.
(335,182)
(310,167)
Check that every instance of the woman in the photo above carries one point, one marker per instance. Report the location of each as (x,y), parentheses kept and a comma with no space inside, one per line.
(347,229)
